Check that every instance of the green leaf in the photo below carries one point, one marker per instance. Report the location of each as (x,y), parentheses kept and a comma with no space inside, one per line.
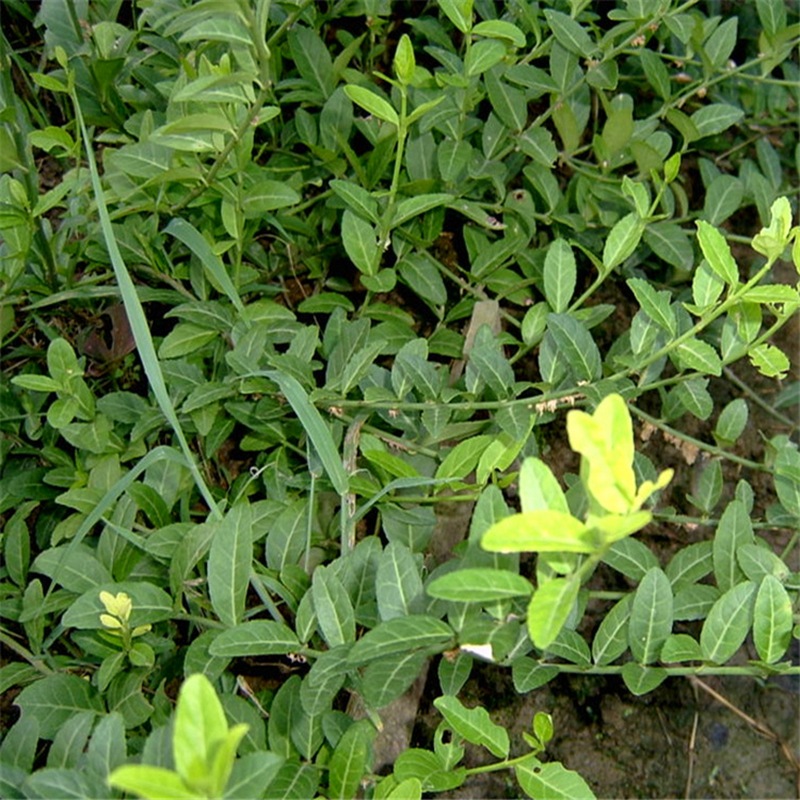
(499,29)
(695,354)
(229,564)
(255,638)
(185,338)
(689,565)
(150,605)
(680,647)
(73,566)
(508,102)
(640,679)
(459,12)
(560,275)
(731,422)
(757,562)
(474,725)
(651,616)
(734,530)
(332,607)
(264,195)
(537,143)
(483,55)
(717,253)
(414,206)
(539,488)
(349,760)
(552,781)
(611,639)
(549,609)
(770,361)
(372,103)
(55,699)
(671,243)
(694,601)
(429,769)
(528,675)
(715,118)
(420,273)
(630,557)
(36,383)
(706,287)
(358,199)
(570,646)
(463,458)
(728,623)
(772,15)
(569,33)
(400,635)
(655,304)
(398,583)
(479,585)
(622,240)
(315,428)
(360,242)
(772,620)
(576,346)
(312,58)
(723,198)
(385,679)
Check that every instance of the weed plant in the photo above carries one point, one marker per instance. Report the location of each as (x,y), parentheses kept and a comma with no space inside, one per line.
(283,282)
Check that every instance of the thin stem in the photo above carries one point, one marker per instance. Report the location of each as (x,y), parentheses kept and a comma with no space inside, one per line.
(708,448)
(24,653)
(757,399)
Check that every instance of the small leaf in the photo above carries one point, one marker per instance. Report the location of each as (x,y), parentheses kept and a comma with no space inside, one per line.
(400,635)
(361,243)
(717,252)
(552,781)
(549,609)
(358,199)
(576,345)
(414,206)
(770,361)
(611,639)
(715,118)
(560,275)
(372,103)
(695,354)
(622,240)
(640,679)
(569,33)
(731,422)
(734,530)
(483,55)
(474,725)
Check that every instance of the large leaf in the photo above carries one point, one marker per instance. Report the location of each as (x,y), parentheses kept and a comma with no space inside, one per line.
(576,346)
(474,725)
(772,620)
(560,275)
(400,635)
(398,583)
(549,609)
(255,638)
(332,607)
(229,564)
(55,699)
(651,616)
(728,623)
(479,586)
(552,781)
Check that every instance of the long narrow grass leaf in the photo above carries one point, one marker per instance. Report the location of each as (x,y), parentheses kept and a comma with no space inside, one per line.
(193,239)
(138,321)
(315,428)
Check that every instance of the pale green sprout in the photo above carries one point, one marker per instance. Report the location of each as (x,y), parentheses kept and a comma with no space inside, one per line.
(117,619)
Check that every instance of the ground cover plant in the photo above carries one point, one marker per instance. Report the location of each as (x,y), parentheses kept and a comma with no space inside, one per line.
(356,346)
